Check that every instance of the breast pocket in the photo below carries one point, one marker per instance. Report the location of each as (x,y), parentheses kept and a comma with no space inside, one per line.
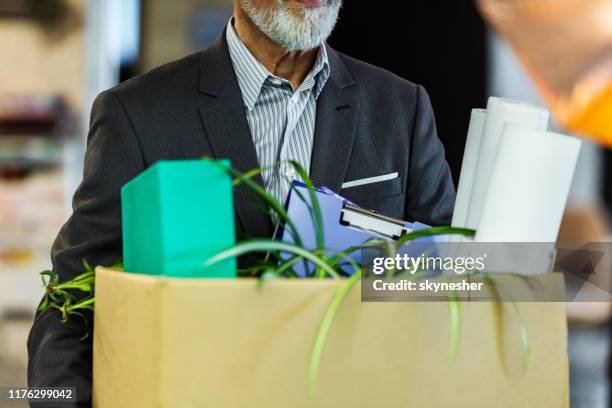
(374,192)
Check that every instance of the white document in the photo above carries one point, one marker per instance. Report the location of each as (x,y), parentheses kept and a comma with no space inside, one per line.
(530,184)
(499,112)
(468,167)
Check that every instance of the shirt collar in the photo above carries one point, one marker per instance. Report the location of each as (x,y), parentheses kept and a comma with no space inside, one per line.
(320,71)
(252,74)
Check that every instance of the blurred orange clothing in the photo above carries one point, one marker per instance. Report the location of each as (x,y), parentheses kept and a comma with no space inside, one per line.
(566,47)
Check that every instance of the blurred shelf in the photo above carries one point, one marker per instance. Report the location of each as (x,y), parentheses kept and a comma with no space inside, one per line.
(24,154)
(26,163)
(32,115)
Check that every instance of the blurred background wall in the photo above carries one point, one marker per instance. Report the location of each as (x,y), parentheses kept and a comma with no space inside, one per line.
(36,48)
(42,52)
(57,55)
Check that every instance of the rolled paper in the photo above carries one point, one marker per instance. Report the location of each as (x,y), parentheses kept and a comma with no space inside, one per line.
(468,167)
(499,112)
(529,186)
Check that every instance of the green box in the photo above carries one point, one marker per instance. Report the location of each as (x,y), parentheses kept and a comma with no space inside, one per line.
(176,215)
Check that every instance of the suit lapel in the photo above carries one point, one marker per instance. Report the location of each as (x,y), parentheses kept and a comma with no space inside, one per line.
(228,132)
(336,126)
(227,129)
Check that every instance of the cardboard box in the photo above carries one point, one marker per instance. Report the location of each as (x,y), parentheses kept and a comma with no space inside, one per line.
(163,342)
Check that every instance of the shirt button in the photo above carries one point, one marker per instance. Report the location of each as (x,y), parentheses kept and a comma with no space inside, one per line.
(290,172)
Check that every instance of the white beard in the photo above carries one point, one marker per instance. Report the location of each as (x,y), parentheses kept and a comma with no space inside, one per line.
(295,33)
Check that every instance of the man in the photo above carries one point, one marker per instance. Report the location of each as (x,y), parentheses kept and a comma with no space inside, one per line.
(267,90)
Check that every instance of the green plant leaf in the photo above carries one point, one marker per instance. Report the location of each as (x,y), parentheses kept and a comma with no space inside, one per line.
(87,266)
(523,334)
(288,265)
(274,204)
(323,331)
(435,231)
(117,265)
(84,304)
(265,277)
(347,260)
(454,309)
(253,173)
(317,218)
(389,249)
(255,200)
(318,234)
(44,304)
(371,243)
(263,245)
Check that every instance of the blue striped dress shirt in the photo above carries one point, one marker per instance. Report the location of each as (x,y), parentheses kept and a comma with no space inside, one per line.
(281,120)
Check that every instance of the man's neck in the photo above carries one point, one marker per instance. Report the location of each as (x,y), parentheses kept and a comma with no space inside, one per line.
(293,66)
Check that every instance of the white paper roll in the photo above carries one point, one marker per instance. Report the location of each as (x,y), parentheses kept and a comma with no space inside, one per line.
(468,167)
(499,112)
(529,186)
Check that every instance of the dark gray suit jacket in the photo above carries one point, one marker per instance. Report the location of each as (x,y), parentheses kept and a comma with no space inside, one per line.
(369,123)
